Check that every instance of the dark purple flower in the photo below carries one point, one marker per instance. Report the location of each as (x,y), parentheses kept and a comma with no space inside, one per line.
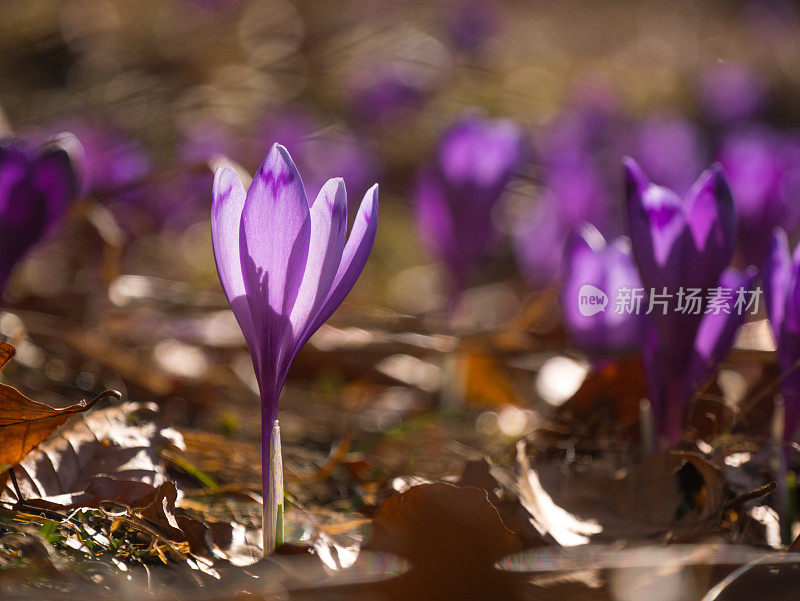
(321,152)
(782,296)
(36,189)
(286,264)
(763,168)
(731,92)
(681,244)
(680,241)
(675,378)
(113,162)
(590,263)
(476,159)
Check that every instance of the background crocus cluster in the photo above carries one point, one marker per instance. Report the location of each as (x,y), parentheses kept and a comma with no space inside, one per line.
(678,244)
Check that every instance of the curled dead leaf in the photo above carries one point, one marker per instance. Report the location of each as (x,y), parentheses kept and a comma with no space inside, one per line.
(24,423)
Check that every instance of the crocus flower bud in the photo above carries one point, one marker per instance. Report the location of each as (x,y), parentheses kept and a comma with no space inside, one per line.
(782,295)
(455,195)
(37,186)
(594,273)
(680,246)
(285,265)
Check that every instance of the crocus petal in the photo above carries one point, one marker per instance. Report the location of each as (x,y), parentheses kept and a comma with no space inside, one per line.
(226,214)
(354,257)
(657,225)
(712,220)
(275,232)
(777,276)
(328,237)
(717,330)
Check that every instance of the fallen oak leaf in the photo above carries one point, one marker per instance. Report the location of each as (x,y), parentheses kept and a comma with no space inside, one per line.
(24,423)
(452,536)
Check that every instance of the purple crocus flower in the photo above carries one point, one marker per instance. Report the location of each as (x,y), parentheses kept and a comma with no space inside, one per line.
(113,162)
(782,295)
(591,263)
(454,197)
(37,186)
(763,168)
(285,264)
(683,244)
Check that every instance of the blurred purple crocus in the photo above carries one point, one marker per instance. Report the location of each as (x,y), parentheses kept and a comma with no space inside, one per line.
(683,245)
(454,196)
(732,92)
(37,186)
(782,295)
(591,263)
(763,168)
(285,264)
(113,162)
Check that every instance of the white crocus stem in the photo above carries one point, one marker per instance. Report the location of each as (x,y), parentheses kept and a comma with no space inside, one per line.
(273,504)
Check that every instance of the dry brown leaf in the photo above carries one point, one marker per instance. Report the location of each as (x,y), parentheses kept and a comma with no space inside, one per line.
(108,442)
(25,423)
(667,496)
(452,535)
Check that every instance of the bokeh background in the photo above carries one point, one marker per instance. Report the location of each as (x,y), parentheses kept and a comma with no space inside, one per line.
(125,294)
